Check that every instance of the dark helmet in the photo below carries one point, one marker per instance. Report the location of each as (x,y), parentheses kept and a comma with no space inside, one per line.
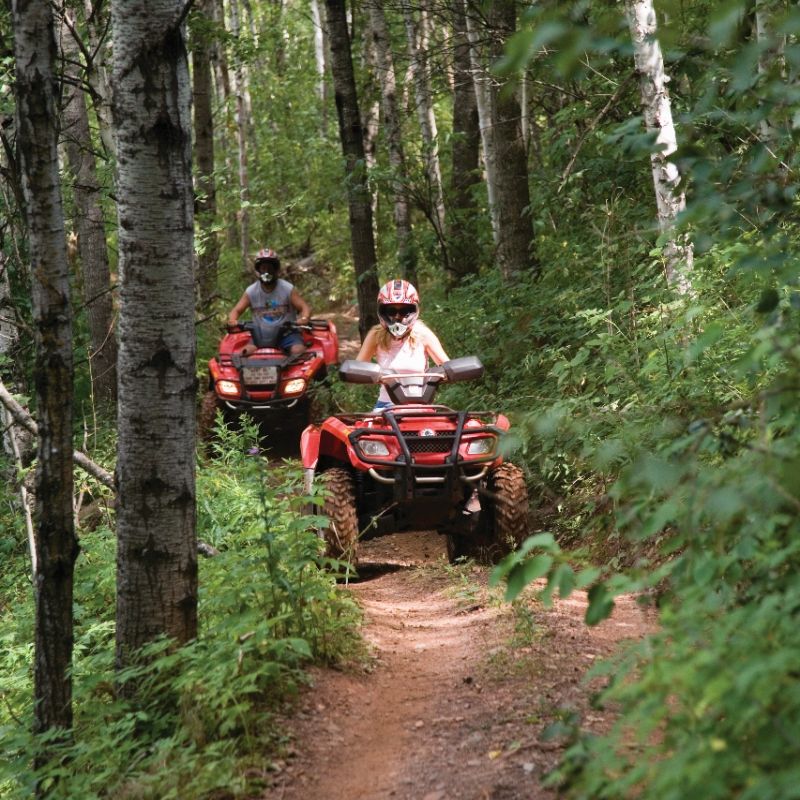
(267,264)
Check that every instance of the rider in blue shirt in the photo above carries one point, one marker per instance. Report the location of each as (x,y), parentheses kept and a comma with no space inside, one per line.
(272,301)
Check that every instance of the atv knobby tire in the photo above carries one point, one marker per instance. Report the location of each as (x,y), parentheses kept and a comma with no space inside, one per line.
(207,418)
(503,521)
(507,497)
(341,535)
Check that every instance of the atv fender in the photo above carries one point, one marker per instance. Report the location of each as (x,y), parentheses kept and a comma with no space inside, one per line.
(309,446)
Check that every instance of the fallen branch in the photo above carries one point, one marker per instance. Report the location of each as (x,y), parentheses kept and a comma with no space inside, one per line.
(24,419)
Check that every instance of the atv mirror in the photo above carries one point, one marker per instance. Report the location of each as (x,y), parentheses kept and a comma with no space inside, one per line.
(463,369)
(354,371)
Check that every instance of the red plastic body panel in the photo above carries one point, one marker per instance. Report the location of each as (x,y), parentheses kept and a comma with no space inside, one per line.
(330,440)
(322,345)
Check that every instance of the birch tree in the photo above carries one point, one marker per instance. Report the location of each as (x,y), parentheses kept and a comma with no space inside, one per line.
(417,41)
(515,247)
(670,198)
(205,194)
(362,239)
(156,550)
(462,209)
(89,221)
(35,53)
(406,255)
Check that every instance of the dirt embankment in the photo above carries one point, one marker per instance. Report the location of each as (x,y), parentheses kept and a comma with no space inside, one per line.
(459,691)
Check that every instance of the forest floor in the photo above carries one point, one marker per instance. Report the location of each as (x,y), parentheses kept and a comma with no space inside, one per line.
(458,690)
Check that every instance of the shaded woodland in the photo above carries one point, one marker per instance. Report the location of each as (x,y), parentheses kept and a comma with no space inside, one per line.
(597,199)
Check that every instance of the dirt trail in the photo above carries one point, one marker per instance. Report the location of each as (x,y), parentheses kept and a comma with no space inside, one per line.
(457,696)
(455,703)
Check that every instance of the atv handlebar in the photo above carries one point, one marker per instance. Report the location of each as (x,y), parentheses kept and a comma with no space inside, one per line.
(242,327)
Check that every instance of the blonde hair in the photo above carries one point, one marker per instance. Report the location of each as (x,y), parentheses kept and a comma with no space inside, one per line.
(383,339)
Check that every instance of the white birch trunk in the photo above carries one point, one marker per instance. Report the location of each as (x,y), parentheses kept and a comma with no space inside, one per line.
(157,549)
(481,79)
(417,53)
(670,198)
(771,53)
(321,61)
(97,72)
(241,139)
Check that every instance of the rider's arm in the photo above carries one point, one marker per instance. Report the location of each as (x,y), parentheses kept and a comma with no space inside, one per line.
(302,308)
(433,347)
(369,347)
(233,316)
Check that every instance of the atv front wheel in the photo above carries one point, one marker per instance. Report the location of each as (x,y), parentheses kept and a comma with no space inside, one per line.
(341,535)
(207,418)
(502,525)
(506,499)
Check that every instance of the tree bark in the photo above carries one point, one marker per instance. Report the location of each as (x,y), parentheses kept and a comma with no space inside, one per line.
(205,193)
(361,236)
(670,199)
(157,551)
(515,250)
(89,223)
(321,61)
(56,545)
(406,253)
(462,210)
(242,123)
(418,57)
(481,79)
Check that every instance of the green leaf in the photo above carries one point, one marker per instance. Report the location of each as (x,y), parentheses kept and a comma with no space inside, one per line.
(601,604)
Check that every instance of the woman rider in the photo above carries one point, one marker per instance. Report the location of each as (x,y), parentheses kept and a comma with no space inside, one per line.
(401,342)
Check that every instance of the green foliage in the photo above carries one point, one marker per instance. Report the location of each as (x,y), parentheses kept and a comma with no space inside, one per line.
(203,720)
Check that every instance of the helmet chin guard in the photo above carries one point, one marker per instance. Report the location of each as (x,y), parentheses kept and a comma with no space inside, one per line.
(267,277)
(398,329)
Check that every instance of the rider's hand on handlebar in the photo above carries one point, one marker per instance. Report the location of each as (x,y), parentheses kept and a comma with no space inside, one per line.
(233,327)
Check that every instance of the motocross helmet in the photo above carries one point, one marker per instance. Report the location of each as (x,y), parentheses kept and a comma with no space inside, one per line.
(398,307)
(267,265)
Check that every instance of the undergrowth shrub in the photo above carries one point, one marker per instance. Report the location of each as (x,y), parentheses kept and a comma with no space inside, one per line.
(204,720)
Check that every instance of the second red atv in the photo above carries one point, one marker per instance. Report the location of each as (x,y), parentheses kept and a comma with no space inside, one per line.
(268,384)
(417,466)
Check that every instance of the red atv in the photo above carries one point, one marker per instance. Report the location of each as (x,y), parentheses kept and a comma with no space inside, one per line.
(267,383)
(417,466)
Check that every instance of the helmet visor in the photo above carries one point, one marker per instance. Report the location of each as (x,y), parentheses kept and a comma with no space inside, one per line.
(398,311)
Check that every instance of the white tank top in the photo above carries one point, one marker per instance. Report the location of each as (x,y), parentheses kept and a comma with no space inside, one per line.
(400,356)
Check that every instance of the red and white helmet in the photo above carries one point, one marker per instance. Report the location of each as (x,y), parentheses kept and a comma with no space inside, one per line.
(398,307)
(267,264)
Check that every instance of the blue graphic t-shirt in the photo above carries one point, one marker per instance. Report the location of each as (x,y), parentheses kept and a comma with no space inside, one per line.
(274,306)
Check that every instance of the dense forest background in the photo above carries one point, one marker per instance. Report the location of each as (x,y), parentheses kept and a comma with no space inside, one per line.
(633,299)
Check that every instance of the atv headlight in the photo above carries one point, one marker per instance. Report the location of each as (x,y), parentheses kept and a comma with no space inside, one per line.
(228,388)
(294,386)
(373,447)
(481,447)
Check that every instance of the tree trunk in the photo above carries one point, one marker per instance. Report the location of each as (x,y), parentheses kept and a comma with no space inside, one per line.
(417,52)
(670,199)
(406,254)
(361,235)
(205,193)
(321,60)
(89,224)
(462,210)
(481,80)
(96,15)
(515,252)
(56,545)
(241,139)
(157,550)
